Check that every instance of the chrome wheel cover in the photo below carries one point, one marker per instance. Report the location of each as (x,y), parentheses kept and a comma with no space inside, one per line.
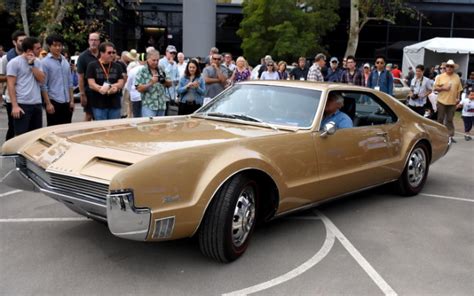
(244,216)
(416,167)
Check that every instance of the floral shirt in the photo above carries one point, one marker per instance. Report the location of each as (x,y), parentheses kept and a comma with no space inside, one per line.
(241,76)
(155,97)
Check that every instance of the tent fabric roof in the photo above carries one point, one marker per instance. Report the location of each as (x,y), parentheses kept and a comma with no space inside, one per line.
(444,45)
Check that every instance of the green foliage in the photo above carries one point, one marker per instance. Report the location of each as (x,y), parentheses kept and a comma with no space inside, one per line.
(79,19)
(384,10)
(283,29)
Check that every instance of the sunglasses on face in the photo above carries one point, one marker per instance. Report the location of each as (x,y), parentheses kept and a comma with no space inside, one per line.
(379,63)
(449,66)
(111,52)
(216,59)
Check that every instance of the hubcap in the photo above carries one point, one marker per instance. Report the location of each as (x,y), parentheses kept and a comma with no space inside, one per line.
(244,216)
(416,167)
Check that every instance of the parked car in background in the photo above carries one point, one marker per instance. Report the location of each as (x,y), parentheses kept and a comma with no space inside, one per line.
(257,151)
(400,89)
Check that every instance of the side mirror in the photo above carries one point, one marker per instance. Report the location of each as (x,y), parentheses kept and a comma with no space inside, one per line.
(328,129)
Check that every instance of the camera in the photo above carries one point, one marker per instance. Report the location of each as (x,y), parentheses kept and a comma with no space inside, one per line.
(161,78)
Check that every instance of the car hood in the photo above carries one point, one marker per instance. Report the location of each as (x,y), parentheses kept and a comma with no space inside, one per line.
(99,150)
(158,136)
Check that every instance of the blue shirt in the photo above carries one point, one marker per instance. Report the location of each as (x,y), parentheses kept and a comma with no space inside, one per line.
(57,78)
(191,94)
(341,119)
(333,75)
(384,81)
(172,73)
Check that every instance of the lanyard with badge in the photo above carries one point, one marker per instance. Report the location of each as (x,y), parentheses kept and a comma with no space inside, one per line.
(377,87)
(106,73)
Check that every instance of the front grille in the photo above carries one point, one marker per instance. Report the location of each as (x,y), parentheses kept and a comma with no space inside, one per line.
(67,184)
(80,186)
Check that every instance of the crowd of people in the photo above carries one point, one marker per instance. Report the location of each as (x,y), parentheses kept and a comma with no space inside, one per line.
(130,84)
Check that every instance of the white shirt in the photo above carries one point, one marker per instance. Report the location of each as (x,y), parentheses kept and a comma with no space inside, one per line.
(3,71)
(269,76)
(135,96)
(467,107)
(181,69)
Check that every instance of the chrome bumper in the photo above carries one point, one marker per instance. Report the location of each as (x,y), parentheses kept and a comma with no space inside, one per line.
(117,209)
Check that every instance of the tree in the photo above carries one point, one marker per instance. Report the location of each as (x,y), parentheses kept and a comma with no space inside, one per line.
(72,19)
(24,17)
(285,29)
(372,10)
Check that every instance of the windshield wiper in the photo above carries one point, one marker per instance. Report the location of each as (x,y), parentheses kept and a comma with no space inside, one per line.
(220,114)
(254,119)
(239,116)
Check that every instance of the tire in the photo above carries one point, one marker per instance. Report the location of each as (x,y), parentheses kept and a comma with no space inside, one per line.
(229,222)
(414,175)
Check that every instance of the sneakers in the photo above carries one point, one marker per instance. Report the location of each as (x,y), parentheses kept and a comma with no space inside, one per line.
(467,138)
(451,140)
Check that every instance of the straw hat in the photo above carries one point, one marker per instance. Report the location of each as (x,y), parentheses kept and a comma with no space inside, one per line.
(132,55)
(452,63)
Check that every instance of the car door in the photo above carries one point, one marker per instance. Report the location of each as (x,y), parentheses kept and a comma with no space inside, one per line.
(361,156)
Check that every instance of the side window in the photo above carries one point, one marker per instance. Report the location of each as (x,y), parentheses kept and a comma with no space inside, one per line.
(369,109)
(397,83)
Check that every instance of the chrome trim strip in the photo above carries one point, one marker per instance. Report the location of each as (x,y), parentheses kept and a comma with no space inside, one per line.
(319,202)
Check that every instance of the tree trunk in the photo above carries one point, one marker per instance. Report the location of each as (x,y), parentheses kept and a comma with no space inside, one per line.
(57,17)
(354,29)
(24,17)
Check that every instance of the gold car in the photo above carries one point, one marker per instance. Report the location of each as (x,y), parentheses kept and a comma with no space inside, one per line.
(255,152)
(401,89)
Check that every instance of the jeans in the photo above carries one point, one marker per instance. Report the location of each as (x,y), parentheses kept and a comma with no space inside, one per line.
(31,120)
(147,112)
(104,114)
(446,115)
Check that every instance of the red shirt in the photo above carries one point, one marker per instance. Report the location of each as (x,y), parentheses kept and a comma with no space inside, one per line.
(397,73)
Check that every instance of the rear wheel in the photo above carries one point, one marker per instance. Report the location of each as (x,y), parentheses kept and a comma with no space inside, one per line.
(414,175)
(230,220)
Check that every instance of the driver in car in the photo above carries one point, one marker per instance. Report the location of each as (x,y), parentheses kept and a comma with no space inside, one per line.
(332,112)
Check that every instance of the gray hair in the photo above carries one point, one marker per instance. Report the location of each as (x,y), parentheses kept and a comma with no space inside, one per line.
(320,56)
(152,53)
(336,97)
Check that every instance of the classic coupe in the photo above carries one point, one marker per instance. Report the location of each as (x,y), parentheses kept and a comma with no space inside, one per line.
(255,152)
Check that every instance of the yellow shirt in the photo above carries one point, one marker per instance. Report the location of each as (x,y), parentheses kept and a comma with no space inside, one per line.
(448,97)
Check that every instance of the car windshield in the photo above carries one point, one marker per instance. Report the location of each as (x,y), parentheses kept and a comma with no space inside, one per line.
(287,106)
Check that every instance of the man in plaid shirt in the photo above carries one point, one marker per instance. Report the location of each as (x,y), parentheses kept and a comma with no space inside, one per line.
(352,75)
(314,73)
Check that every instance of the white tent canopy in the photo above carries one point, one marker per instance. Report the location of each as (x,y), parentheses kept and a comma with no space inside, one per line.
(437,50)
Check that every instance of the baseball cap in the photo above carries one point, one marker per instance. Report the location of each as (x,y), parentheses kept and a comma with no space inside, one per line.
(171,48)
(367,65)
(334,59)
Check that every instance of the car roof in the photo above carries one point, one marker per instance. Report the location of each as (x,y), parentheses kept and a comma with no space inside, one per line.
(322,86)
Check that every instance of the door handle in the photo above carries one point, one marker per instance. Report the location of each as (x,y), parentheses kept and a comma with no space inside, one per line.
(381,134)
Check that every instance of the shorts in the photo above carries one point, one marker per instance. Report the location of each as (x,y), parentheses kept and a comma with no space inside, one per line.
(468,122)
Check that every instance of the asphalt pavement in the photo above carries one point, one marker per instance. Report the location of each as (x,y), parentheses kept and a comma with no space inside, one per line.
(371,243)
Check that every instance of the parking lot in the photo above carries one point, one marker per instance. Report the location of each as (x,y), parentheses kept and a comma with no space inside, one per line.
(371,243)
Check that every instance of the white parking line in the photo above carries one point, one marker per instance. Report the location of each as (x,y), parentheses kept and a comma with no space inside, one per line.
(22,220)
(327,246)
(10,192)
(377,278)
(448,197)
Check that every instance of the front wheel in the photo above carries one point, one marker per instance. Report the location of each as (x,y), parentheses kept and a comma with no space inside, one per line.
(414,175)
(230,220)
